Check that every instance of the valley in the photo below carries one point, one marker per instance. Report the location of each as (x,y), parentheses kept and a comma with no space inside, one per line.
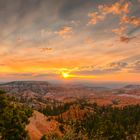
(58,108)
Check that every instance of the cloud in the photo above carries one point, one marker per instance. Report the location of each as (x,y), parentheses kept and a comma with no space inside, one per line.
(130,20)
(110,68)
(65,32)
(48,75)
(104,69)
(134,31)
(120,30)
(135,67)
(45,49)
(117,8)
(95,17)
(114,66)
(90,41)
(120,9)
(31,76)
(126,39)
(45,33)
(2,64)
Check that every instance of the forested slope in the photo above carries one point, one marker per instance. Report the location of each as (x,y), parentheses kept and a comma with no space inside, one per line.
(13,119)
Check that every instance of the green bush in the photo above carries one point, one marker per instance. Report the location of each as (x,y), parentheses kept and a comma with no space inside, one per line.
(13,119)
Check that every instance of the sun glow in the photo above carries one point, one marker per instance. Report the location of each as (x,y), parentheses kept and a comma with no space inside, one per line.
(68,75)
(65,75)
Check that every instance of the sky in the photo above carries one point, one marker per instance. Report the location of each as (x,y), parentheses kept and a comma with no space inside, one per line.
(95,40)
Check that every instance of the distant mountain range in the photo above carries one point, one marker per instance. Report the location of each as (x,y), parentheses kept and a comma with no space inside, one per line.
(42,87)
(132,87)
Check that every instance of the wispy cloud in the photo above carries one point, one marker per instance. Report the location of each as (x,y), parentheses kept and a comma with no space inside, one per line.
(65,32)
(95,17)
(126,39)
(120,31)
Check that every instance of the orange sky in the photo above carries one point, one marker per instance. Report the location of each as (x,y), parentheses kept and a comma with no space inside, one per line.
(89,40)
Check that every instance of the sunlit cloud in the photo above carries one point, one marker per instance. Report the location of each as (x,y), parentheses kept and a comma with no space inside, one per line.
(120,30)
(117,8)
(95,17)
(130,20)
(65,32)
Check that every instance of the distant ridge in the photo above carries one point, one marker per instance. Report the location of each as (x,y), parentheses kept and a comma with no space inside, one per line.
(132,87)
(24,82)
(40,87)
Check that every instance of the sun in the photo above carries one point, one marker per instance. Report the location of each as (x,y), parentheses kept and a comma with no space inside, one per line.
(65,75)
(69,75)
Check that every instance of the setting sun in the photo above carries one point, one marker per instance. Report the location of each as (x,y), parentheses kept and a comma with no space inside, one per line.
(68,75)
(65,75)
